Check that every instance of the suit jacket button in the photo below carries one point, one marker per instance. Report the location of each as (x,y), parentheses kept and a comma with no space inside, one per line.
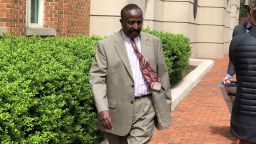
(132,85)
(131,102)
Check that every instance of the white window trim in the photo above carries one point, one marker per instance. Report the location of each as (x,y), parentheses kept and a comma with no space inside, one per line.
(40,14)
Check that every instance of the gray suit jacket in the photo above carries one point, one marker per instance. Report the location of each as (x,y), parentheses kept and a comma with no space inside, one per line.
(113,84)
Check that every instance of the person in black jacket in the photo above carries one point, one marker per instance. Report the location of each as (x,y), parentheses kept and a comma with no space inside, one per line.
(242,54)
(239,29)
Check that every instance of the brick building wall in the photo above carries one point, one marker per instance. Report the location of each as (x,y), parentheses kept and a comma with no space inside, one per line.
(13,15)
(67,17)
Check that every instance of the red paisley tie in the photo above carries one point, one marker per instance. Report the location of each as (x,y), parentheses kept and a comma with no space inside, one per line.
(149,74)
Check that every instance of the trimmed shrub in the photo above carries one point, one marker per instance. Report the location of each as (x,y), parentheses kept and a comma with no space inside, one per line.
(176,51)
(45,96)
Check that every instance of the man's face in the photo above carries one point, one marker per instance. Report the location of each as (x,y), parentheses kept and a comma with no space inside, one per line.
(132,23)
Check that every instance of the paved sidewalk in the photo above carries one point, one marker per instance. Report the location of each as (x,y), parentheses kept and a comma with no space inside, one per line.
(202,117)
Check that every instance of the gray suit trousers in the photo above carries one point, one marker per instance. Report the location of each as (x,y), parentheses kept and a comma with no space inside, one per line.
(142,126)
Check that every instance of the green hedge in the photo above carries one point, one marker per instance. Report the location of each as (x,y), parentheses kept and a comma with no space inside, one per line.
(176,51)
(45,96)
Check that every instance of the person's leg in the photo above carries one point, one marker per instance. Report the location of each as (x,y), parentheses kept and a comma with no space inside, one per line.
(143,122)
(115,139)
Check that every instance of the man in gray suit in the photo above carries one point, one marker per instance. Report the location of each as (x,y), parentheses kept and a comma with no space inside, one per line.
(130,82)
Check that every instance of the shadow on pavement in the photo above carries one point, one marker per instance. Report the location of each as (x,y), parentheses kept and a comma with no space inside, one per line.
(223,131)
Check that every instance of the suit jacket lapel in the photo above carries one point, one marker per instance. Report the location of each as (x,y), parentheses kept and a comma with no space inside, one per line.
(121,50)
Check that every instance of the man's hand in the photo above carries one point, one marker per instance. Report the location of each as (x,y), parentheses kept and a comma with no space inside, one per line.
(105,120)
(227,79)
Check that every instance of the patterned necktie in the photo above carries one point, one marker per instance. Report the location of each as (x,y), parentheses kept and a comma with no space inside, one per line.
(149,74)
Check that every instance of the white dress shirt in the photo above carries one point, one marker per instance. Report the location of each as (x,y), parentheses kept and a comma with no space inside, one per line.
(140,84)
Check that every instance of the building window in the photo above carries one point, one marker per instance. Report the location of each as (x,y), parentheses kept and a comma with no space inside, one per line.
(35,13)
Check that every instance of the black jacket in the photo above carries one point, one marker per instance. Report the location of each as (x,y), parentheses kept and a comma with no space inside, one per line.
(239,29)
(242,54)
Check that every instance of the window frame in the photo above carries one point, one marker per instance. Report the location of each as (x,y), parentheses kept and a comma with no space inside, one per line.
(40,14)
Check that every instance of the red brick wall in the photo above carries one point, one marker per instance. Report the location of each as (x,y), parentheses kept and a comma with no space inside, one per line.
(12,15)
(68,17)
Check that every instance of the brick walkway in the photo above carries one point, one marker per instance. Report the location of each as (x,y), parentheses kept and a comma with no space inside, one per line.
(202,117)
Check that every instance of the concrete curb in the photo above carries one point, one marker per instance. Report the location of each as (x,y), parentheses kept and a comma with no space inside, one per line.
(191,80)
